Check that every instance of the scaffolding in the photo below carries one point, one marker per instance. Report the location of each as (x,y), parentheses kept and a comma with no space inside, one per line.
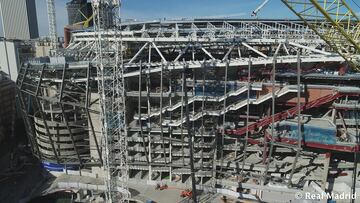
(52,24)
(112,99)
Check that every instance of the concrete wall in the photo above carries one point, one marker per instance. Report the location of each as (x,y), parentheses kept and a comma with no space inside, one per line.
(96,121)
(42,51)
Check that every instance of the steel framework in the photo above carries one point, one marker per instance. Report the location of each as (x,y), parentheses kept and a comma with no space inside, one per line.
(52,23)
(232,35)
(55,102)
(207,59)
(112,99)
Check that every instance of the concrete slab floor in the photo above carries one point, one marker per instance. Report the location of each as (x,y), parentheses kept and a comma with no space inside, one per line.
(145,192)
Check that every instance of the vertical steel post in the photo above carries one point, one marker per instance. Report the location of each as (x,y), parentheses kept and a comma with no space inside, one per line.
(247,115)
(272,121)
(298,118)
(139,112)
(356,156)
(190,139)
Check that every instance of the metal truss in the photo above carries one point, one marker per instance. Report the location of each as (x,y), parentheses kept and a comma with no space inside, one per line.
(172,41)
(216,30)
(108,58)
(52,23)
(55,103)
(234,63)
(335,22)
(200,31)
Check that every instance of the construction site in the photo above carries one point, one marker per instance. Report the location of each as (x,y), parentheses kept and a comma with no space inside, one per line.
(197,110)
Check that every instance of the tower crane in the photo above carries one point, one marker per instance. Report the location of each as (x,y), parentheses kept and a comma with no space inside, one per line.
(335,22)
(52,24)
(257,10)
(111,85)
(339,26)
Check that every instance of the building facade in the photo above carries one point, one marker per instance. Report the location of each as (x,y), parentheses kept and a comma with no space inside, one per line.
(19,19)
(12,54)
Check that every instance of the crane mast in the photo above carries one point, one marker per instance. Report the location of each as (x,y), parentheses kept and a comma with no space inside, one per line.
(52,23)
(112,100)
(335,22)
(257,10)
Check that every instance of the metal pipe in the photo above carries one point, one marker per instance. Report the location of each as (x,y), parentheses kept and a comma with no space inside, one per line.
(353,188)
(183,89)
(88,113)
(190,140)
(139,112)
(272,121)
(247,116)
(224,117)
(202,111)
(161,108)
(298,119)
(148,81)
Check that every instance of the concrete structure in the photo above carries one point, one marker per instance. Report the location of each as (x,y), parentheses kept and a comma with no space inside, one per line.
(42,48)
(60,134)
(202,92)
(19,19)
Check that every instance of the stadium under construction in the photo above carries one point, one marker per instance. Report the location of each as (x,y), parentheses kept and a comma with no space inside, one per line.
(250,109)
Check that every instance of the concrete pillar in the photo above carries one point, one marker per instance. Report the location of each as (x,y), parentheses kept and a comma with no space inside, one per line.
(96,122)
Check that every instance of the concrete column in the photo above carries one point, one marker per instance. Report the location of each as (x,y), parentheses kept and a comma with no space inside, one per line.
(96,121)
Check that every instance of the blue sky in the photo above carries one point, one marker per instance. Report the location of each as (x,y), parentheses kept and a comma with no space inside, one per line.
(156,9)
(200,8)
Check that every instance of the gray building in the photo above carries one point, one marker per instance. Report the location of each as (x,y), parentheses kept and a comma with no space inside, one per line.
(9,60)
(19,19)
(12,54)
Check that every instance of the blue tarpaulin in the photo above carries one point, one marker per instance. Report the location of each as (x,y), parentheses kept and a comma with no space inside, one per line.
(311,133)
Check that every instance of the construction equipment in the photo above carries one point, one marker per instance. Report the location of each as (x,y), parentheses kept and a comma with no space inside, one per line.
(335,22)
(112,100)
(257,10)
(52,24)
(338,25)
(161,187)
(186,193)
(87,21)
(87,18)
